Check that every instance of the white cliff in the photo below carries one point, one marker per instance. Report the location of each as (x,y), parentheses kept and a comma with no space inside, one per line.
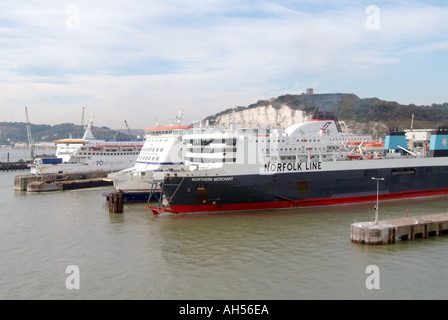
(263,116)
(285,116)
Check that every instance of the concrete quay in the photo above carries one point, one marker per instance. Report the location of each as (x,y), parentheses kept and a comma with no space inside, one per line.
(79,180)
(393,230)
(39,186)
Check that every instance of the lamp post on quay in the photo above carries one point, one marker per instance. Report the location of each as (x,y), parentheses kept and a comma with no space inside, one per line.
(377,208)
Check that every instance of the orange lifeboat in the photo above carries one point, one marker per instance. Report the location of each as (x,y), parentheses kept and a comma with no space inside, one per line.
(374,146)
(355,143)
(354,156)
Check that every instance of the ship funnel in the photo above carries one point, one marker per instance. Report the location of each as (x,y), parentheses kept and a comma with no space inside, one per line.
(396,140)
(88,135)
(439,143)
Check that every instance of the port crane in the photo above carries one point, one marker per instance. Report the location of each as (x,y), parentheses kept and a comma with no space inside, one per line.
(28,131)
(83,126)
(129,129)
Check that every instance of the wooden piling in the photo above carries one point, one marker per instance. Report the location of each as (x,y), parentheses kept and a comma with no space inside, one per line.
(116,202)
(111,203)
(120,202)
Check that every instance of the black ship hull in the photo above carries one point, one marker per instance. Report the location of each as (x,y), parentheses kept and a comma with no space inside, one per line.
(300,189)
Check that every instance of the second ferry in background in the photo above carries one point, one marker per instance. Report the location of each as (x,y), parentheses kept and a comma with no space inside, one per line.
(88,155)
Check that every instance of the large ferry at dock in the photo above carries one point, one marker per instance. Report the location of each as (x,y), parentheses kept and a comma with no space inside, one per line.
(88,155)
(163,150)
(308,164)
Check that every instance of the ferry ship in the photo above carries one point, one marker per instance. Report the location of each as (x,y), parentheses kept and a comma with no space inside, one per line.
(162,150)
(307,164)
(88,155)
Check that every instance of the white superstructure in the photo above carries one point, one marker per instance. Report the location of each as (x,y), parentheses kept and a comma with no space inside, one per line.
(163,150)
(312,141)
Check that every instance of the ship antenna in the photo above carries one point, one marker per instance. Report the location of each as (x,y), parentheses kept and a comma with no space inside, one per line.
(179,115)
(82,116)
(83,125)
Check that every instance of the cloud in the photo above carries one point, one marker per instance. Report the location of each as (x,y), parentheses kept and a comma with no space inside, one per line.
(141,59)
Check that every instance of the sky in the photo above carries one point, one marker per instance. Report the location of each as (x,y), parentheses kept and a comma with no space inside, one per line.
(144,60)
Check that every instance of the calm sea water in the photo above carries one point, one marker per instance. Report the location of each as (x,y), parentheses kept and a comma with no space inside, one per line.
(22,154)
(294,254)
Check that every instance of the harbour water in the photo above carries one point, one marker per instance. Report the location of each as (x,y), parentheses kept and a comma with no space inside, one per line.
(292,255)
(15,155)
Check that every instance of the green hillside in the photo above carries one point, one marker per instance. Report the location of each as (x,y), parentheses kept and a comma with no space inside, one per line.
(11,132)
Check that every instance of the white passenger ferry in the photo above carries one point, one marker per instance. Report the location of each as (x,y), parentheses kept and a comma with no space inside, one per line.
(88,155)
(163,150)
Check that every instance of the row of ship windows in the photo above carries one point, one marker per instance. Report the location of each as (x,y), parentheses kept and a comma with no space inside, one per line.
(210,160)
(283,158)
(220,160)
(307,140)
(300,149)
(231,142)
(106,153)
(233,160)
(298,140)
(148,158)
(230,149)
(211,150)
(156,140)
(152,149)
(165,132)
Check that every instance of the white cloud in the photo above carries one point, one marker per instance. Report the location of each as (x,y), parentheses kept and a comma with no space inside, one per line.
(141,59)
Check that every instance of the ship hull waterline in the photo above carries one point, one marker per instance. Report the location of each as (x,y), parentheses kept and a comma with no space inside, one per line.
(295,190)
